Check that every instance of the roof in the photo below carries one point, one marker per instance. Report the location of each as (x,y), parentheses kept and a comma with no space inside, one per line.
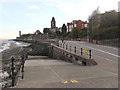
(53,19)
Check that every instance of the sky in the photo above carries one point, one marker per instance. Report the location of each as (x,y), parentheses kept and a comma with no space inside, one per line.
(28,16)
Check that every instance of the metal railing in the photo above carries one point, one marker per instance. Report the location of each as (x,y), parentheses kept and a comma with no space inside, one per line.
(83,52)
(13,67)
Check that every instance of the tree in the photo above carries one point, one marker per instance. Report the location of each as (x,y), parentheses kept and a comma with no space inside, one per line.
(58,32)
(75,33)
(25,36)
(118,18)
(103,26)
(94,21)
(109,19)
(64,29)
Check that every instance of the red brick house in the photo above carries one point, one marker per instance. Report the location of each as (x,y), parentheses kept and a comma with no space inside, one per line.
(76,23)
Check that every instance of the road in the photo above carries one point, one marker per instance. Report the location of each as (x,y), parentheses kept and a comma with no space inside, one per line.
(104,55)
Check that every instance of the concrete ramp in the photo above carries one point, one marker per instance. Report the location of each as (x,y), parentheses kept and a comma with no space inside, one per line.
(45,73)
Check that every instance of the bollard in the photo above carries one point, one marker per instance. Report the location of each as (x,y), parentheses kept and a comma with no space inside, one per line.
(70,48)
(75,49)
(90,54)
(81,52)
(66,47)
(22,71)
(26,56)
(13,77)
(52,47)
(57,44)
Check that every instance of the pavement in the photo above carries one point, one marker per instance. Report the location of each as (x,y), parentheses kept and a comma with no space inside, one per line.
(50,73)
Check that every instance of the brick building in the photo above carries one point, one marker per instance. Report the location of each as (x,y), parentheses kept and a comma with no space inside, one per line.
(76,23)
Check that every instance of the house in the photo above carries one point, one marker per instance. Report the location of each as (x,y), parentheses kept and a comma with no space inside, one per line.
(76,23)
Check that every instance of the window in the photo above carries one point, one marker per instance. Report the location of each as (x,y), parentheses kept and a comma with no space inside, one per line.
(71,26)
(85,25)
(82,26)
(75,25)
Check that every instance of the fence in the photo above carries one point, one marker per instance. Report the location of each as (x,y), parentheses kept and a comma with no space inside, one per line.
(13,67)
(112,42)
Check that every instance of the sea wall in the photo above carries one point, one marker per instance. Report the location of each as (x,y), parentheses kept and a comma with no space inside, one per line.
(59,53)
(37,48)
(52,50)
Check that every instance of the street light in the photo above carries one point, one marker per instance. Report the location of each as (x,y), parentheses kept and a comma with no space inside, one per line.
(87,35)
(86,26)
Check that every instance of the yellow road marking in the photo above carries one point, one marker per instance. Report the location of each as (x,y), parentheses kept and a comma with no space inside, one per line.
(64,82)
(74,81)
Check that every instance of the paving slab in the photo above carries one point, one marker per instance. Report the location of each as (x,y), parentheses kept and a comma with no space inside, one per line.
(46,73)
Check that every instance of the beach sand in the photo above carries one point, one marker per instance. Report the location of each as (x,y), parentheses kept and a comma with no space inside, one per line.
(25,43)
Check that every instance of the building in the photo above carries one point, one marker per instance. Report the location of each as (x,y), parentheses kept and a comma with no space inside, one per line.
(60,29)
(76,23)
(53,25)
(19,33)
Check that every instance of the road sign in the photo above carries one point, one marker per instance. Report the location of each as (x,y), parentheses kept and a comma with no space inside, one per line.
(85,51)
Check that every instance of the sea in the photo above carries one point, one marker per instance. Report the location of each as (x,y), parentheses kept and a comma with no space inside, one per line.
(5,44)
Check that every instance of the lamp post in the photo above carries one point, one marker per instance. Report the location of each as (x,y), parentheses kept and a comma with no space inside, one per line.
(86,26)
(87,35)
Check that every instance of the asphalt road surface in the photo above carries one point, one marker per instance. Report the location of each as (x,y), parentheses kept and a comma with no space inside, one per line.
(105,56)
